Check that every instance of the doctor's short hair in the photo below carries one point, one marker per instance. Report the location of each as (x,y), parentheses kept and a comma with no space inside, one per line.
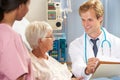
(96,5)
(36,30)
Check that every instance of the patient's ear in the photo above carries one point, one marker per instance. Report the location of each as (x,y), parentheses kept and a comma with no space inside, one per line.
(39,40)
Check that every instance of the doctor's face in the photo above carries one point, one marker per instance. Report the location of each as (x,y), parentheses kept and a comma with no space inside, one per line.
(90,22)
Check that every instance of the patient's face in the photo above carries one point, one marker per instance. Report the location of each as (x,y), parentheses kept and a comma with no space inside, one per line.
(48,41)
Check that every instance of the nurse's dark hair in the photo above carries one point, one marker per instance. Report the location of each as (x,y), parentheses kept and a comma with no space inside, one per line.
(9,5)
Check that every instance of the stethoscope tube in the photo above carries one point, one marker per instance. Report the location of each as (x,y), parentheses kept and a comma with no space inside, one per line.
(102,44)
(85,47)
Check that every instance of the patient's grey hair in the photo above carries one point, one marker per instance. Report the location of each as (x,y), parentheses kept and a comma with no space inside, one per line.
(35,31)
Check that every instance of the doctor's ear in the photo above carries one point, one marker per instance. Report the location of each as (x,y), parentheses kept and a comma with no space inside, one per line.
(100,18)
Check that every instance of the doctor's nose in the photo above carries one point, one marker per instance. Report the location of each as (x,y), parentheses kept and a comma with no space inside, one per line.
(85,23)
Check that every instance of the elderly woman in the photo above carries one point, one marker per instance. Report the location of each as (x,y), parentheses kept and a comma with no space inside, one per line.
(40,37)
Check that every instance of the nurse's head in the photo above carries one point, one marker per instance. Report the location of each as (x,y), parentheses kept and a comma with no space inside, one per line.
(91,13)
(39,35)
(20,7)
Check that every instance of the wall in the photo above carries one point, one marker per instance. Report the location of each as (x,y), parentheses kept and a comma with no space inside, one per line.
(37,10)
(113,17)
(74,27)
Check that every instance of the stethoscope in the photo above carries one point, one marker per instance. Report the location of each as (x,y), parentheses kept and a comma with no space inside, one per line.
(102,44)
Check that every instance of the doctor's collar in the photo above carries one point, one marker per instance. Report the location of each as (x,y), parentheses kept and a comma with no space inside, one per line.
(100,36)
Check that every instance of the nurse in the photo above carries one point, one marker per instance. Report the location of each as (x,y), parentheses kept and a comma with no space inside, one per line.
(95,44)
(15,62)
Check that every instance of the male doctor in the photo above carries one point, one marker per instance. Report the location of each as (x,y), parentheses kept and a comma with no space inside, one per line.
(95,44)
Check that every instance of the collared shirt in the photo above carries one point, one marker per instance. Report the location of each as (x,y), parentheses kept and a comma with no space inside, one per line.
(99,41)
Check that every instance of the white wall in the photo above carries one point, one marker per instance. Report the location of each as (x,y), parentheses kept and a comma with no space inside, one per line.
(19,27)
(37,10)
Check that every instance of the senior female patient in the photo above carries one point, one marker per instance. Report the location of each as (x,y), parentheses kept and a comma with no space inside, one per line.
(40,37)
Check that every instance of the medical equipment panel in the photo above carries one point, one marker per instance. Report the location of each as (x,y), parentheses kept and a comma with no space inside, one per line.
(54,15)
(56,50)
(59,48)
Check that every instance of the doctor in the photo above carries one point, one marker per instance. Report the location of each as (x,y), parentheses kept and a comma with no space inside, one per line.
(82,49)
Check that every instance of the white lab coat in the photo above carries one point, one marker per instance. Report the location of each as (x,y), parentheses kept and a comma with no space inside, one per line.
(77,55)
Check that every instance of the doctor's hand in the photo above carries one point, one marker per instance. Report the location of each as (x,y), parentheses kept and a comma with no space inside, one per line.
(91,65)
